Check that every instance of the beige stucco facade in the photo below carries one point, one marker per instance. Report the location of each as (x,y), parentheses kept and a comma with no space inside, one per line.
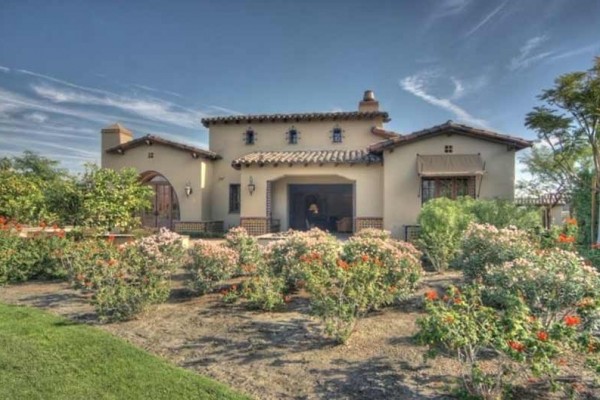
(401,185)
(379,166)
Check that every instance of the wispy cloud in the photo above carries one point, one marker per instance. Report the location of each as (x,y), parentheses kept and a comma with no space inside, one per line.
(151,89)
(418,85)
(575,52)
(37,117)
(449,8)
(486,19)
(4,69)
(526,55)
(156,110)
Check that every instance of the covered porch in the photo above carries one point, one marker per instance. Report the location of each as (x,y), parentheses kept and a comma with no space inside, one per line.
(334,196)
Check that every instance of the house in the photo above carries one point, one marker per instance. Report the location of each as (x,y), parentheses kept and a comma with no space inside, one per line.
(341,171)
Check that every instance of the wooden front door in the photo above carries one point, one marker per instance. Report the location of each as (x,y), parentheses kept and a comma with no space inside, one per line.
(165,208)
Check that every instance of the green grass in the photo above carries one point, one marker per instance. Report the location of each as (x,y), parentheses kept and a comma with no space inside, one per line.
(47,357)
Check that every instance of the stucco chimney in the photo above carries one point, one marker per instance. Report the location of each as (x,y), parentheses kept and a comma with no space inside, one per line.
(368,102)
(115,135)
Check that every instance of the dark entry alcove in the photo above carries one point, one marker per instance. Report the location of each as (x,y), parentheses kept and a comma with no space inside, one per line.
(334,205)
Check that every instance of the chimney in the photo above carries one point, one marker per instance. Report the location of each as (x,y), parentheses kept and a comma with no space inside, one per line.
(368,103)
(112,136)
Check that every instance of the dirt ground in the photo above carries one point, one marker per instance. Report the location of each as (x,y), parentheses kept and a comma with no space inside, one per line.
(278,355)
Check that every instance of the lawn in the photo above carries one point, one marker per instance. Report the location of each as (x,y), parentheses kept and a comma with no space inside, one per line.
(47,357)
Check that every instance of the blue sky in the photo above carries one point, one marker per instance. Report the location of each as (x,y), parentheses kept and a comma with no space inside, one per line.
(69,68)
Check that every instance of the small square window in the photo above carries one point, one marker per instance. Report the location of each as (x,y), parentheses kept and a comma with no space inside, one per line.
(150,155)
(448,149)
(336,136)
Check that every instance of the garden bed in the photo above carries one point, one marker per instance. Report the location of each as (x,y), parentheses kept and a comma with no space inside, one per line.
(279,355)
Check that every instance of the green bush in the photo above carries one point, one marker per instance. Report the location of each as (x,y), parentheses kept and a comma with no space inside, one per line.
(442,222)
(246,246)
(113,199)
(342,293)
(35,257)
(210,264)
(265,292)
(126,280)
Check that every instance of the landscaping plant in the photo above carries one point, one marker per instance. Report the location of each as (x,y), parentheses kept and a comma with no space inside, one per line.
(210,263)
(125,280)
(514,342)
(246,246)
(35,257)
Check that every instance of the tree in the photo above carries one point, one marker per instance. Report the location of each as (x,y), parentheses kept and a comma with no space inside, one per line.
(112,199)
(568,125)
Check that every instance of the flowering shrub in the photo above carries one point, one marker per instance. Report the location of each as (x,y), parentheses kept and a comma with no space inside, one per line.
(400,261)
(485,245)
(210,264)
(342,292)
(460,322)
(246,246)
(551,282)
(284,257)
(125,280)
(265,292)
(373,233)
(24,258)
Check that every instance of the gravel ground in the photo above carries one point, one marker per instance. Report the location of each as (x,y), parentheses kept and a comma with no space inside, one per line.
(282,355)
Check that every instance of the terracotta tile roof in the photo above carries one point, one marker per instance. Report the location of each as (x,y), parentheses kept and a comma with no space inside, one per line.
(362,156)
(383,133)
(451,127)
(152,139)
(328,116)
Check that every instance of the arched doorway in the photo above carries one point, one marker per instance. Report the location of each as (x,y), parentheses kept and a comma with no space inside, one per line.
(165,206)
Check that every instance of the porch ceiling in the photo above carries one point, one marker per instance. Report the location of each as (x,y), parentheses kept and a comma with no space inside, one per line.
(362,156)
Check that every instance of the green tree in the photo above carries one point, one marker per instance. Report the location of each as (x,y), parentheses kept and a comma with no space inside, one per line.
(568,125)
(113,199)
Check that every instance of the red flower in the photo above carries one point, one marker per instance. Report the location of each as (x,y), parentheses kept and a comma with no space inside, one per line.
(457,300)
(517,346)
(543,336)
(572,320)
(111,238)
(564,238)
(431,295)
(343,265)
(571,221)
(364,258)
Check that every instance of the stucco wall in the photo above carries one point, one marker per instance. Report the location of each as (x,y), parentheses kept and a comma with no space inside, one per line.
(367,179)
(401,183)
(228,142)
(179,168)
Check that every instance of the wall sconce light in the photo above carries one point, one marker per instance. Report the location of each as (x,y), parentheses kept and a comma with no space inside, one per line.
(188,189)
(251,186)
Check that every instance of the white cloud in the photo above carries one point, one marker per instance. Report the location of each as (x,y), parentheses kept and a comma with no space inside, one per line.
(156,110)
(36,117)
(151,89)
(448,8)
(4,69)
(459,88)
(525,57)
(418,85)
(486,19)
(575,52)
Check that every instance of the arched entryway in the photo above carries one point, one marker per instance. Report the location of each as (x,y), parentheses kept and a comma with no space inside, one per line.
(165,206)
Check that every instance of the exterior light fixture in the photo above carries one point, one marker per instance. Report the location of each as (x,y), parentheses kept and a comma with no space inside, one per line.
(188,189)
(251,186)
